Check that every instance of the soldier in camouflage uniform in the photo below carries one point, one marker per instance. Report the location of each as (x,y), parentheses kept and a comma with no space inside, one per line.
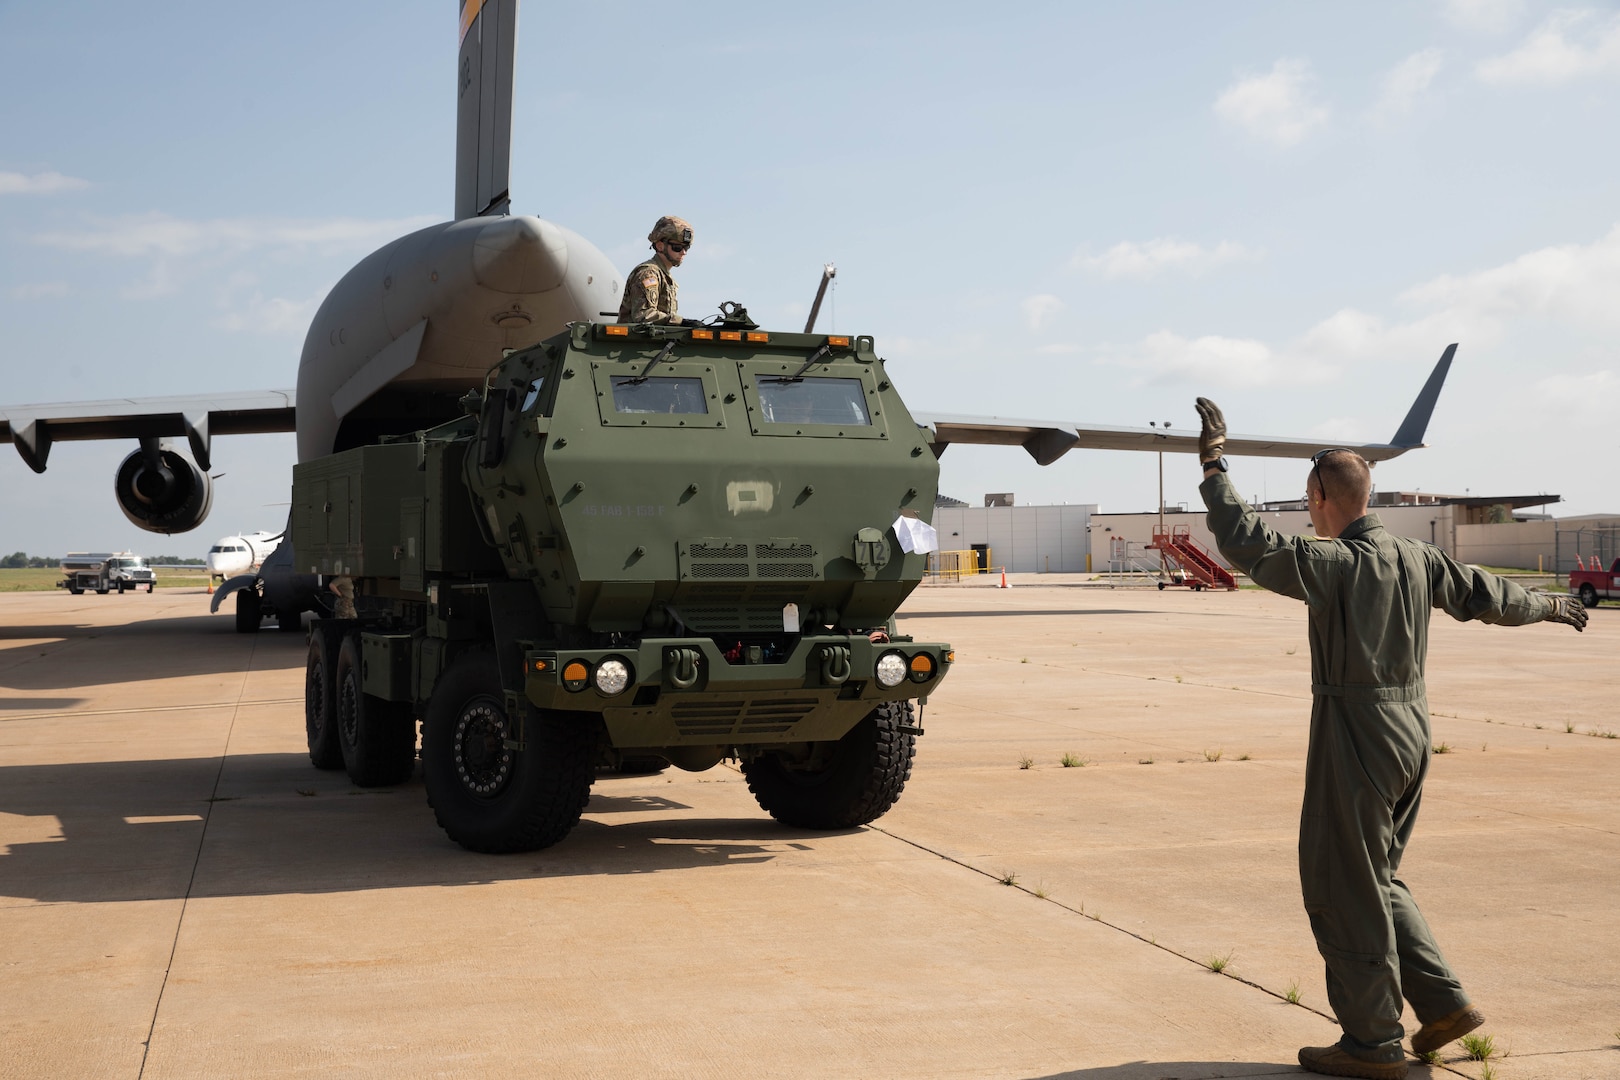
(649,291)
(1369,596)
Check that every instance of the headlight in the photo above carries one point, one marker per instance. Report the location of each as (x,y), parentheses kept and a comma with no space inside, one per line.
(612,676)
(922,668)
(891,670)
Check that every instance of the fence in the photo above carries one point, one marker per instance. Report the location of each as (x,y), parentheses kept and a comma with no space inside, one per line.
(1587,542)
(955,565)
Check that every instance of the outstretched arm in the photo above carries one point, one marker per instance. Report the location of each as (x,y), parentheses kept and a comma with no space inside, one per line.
(1467,592)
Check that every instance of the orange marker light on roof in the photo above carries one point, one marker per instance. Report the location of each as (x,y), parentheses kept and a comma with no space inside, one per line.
(838,342)
(731,335)
(616,330)
(703,335)
(758,335)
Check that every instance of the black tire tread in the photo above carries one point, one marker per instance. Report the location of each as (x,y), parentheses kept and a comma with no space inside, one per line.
(383,752)
(861,785)
(541,804)
(320,704)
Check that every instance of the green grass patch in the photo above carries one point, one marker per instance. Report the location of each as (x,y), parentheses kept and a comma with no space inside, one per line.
(1479,1047)
(1073,761)
(1218,964)
(1442,748)
(44,579)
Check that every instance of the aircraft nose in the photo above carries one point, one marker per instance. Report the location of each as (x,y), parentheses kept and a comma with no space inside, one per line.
(520,255)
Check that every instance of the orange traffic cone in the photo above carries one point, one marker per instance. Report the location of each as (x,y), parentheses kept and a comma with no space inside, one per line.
(1004,577)
(210,586)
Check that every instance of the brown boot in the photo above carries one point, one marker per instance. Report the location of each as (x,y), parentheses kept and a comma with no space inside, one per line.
(1333,1061)
(1436,1033)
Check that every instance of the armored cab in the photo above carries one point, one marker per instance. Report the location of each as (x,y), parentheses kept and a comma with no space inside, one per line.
(642,545)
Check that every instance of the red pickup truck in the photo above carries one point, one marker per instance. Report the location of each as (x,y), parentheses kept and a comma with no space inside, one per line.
(1594,583)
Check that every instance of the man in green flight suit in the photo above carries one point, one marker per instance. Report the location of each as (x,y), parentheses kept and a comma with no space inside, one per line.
(650,295)
(1369,595)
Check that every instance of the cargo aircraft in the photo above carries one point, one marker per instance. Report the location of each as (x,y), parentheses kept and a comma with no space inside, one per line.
(406,332)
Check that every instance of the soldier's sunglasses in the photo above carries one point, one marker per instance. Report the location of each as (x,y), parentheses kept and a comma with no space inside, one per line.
(677,248)
(1316,467)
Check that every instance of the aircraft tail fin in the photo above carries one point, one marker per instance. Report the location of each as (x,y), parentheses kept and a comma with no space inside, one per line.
(1410,433)
(484,107)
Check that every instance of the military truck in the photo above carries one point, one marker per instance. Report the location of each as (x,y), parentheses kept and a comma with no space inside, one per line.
(641,543)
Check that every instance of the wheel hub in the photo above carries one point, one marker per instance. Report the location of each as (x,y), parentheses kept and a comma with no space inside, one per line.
(483,761)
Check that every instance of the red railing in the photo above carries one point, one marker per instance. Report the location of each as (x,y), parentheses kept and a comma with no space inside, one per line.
(1190,563)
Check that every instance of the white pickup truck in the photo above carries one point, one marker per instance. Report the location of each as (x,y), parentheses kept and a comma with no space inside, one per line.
(104,571)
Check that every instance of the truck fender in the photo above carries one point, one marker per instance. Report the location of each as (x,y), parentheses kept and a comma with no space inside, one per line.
(240,581)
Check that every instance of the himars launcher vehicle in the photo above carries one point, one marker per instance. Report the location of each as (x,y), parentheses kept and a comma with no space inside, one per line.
(640,542)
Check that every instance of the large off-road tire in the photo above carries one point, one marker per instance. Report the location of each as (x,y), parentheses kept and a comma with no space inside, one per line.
(851,782)
(320,702)
(102,591)
(486,795)
(249,611)
(75,590)
(1589,596)
(377,737)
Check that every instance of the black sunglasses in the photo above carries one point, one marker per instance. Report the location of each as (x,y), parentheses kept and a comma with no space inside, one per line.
(1316,466)
(677,248)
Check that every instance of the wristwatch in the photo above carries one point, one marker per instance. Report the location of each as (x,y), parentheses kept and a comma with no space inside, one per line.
(1218,463)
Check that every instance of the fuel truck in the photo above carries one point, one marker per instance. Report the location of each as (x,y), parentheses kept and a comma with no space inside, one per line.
(640,546)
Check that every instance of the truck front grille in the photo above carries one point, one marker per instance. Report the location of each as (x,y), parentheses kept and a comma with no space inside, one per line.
(736,719)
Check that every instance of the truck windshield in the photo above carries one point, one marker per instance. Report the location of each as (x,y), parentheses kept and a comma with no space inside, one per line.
(812,401)
(658,394)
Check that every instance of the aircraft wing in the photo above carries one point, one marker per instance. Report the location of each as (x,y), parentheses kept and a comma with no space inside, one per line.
(33,429)
(1048,440)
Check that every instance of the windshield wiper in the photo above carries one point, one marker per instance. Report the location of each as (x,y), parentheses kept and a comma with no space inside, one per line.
(798,376)
(663,354)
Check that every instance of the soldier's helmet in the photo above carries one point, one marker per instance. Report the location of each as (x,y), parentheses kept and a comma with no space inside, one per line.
(672,229)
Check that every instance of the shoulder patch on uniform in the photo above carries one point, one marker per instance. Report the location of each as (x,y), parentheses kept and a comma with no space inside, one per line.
(649,280)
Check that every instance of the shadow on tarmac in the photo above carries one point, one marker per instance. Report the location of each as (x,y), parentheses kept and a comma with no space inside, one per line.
(1197,1070)
(1005,613)
(103,832)
(157,649)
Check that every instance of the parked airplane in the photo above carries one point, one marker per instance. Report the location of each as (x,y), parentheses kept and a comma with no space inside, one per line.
(413,325)
(239,554)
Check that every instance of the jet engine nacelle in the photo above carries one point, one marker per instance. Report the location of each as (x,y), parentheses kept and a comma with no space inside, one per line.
(162,492)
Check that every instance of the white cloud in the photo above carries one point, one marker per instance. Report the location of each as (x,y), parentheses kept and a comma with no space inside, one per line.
(1130,259)
(1568,45)
(1059,349)
(1573,282)
(157,234)
(1483,16)
(40,290)
(1578,397)
(1039,309)
(271,316)
(1166,357)
(1407,81)
(45,183)
(1277,107)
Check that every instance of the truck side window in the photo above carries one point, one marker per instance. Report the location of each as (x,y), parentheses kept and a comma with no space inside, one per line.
(658,394)
(533,395)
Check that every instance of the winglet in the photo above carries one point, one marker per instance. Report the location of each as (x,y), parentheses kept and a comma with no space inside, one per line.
(1410,434)
(484,107)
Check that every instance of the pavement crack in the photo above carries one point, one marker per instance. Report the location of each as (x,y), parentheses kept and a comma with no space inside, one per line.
(196,861)
(1080,911)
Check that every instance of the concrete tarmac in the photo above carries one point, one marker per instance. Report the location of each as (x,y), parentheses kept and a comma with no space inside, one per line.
(183,895)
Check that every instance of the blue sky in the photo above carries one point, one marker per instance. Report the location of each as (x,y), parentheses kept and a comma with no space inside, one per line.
(1067,211)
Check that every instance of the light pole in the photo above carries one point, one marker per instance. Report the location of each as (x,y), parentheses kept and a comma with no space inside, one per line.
(1162,563)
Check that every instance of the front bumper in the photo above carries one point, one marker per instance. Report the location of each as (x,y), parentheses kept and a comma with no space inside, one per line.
(684,692)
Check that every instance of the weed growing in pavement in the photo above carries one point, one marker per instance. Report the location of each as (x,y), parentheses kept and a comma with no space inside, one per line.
(1072,761)
(1430,1057)
(1484,746)
(1603,734)
(1040,892)
(1243,757)
(1292,651)
(1026,763)
(1291,995)
(1217,964)
(1025,660)
(1178,678)
(1144,761)
(1008,878)
(1538,727)
(306,792)
(1442,748)
(1479,1047)
(1212,755)
(1569,728)
(1487,1072)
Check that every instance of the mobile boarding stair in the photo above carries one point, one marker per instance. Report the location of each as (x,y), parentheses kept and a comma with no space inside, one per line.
(1189,564)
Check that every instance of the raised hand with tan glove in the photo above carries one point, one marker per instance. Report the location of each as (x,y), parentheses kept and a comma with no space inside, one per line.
(1212,437)
(1568,610)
